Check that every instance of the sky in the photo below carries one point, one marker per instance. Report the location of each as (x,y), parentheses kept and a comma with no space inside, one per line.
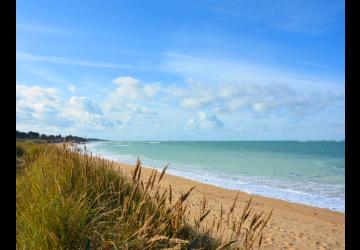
(181,70)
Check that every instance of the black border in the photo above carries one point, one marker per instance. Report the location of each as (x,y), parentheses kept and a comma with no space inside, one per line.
(352,127)
(352,146)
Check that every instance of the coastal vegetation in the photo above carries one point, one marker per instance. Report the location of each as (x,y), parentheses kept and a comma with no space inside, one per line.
(68,199)
(51,138)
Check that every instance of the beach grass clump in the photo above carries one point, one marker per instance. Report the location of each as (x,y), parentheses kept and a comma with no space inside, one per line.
(68,199)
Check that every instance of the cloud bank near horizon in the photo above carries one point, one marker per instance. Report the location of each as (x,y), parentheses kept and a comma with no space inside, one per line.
(193,109)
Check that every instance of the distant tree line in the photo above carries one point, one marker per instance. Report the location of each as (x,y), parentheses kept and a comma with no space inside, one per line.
(50,138)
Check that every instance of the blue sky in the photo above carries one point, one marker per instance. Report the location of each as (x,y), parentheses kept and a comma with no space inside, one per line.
(181,70)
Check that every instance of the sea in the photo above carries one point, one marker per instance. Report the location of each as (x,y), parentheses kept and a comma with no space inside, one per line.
(307,172)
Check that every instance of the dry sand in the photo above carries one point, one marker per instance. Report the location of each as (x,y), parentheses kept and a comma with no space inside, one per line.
(292,225)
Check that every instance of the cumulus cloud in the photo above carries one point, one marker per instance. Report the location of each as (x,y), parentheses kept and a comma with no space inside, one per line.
(134,97)
(84,112)
(242,106)
(257,98)
(131,88)
(150,90)
(47,106)
(127,87)
(204,121)
(238,87)
(37,105)
(129,96)
(85,104)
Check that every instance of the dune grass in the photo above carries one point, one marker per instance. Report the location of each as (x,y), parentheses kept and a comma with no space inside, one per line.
(68,199)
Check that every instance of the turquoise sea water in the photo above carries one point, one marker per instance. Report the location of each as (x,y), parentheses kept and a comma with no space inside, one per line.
(310,172)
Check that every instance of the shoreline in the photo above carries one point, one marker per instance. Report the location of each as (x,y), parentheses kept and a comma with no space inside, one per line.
(111,158)
(292,226)
(234,190)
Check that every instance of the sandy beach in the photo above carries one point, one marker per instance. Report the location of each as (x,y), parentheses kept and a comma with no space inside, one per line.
(292,225)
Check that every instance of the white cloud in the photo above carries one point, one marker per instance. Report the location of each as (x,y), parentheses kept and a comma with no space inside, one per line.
(226,86)
(137,109)
(278,99)
(204,121)
(84,104)
(126,80)
(191,103)
(243,107)
(198,101)
(131,88)
(37,105)
(72,88)
(127,88)
(150,90)
(131,96)
(84,112)
(192,124)
(128,102)
(256,98)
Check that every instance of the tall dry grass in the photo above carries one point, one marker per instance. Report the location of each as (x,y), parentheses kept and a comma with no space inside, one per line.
(68,199)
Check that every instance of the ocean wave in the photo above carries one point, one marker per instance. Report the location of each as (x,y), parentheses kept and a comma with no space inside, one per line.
(331,196)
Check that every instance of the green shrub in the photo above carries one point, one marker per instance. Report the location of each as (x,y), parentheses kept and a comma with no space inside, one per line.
(19,151)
